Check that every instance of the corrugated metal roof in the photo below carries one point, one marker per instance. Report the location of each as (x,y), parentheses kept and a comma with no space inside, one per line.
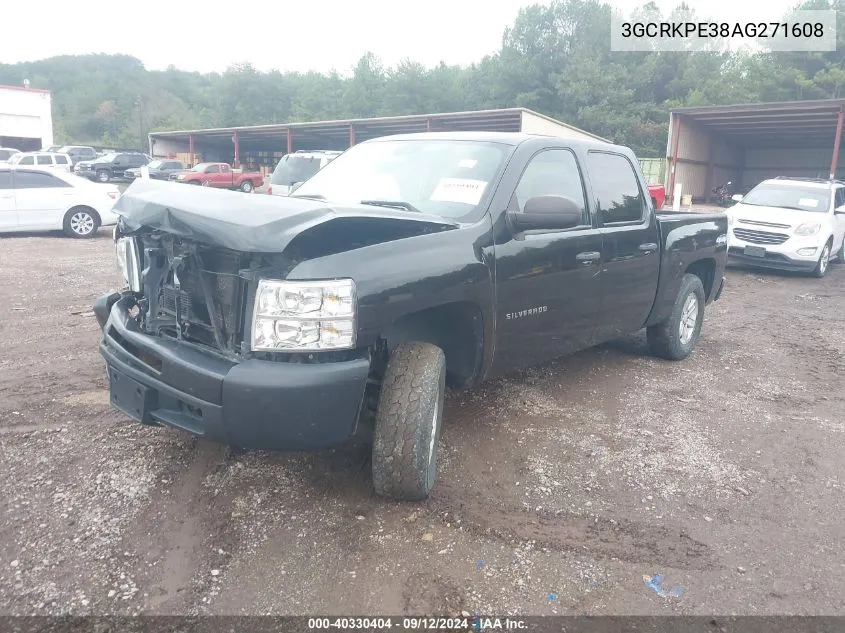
(501,120)
(794,123)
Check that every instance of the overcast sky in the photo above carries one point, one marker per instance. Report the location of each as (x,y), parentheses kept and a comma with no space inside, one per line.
(297,35)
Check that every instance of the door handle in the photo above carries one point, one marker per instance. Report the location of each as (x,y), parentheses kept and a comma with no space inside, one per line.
(648,248)
(588,257)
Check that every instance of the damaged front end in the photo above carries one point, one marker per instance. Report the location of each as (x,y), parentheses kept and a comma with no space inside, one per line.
(192,292)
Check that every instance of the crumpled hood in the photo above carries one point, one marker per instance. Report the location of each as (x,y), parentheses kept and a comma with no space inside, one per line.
(261,223)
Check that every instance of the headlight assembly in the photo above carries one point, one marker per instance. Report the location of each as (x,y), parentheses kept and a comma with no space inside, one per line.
(129,261)
(808,228)
(304,316)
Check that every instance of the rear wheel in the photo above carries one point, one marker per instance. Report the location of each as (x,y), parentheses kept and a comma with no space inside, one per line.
(824,261)
(246,186)
(408,420)
(677,336)
(81,222)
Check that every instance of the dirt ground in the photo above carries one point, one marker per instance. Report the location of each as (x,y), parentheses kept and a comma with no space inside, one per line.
(559,490)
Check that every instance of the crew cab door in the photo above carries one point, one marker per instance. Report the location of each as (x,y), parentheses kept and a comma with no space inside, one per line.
(225,177)
(548,283)
(630,244)
(41,200)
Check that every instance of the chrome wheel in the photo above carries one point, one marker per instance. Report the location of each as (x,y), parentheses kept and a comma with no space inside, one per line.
(825,259)
(82,223)
(689,318)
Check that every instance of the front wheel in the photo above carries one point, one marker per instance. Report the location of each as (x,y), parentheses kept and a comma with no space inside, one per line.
(824,260)
(103,175)
(840,254)
(246,186)
(81,222)
(676,337)
(408,420)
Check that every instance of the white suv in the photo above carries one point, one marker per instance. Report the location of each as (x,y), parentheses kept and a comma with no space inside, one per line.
(789,224)
(52,160)
(294,169)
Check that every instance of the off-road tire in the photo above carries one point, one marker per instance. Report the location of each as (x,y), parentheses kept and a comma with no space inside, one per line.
(408,420)
(81,222)
(824,260)
(665,339)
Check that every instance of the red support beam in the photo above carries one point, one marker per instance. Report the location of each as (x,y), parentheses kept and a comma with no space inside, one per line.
(290,142)
(191,149)
(237,162)
(673,161)
(835,159)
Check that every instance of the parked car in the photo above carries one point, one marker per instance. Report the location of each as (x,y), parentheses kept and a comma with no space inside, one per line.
(78,153)
(294,169)
(159,169)
(789,224)
(45,199)
(220,176)
(6,153)
(412,260)
(42,159)
(52,148)
(110,166)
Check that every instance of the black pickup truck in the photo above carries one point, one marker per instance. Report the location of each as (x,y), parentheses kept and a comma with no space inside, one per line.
(408,263)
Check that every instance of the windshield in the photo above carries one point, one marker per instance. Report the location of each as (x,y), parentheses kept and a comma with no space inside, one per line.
(201,167)
(293,168)
(13,160)
(6,153)
(441,177)
(789,197)
(108,158)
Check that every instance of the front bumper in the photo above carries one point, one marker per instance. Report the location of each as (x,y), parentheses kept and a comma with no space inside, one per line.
(776,261)
(251,404)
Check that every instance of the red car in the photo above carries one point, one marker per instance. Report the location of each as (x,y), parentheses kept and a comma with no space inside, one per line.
(221,176)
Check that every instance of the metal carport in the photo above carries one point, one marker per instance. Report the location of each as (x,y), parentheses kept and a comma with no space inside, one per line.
(264,145)
(747,143)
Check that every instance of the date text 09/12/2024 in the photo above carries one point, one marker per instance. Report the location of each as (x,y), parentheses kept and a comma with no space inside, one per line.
(419,624)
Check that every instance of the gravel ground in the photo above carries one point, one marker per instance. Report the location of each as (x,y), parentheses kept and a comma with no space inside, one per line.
(560,488)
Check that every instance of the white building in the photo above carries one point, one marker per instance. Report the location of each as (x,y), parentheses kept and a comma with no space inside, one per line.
(26,118)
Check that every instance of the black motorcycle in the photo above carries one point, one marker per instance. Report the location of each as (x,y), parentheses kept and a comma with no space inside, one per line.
(724,195)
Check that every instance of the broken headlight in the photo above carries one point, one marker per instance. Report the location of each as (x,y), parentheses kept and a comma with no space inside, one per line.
(304,316)
(129,261)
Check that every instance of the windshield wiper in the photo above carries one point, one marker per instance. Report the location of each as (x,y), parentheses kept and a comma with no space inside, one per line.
(313,196)
(396,204)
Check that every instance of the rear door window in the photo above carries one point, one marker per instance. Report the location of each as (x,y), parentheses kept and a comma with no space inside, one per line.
(618,195)
(27,160)
(37,180)
(60,160)
(44,160)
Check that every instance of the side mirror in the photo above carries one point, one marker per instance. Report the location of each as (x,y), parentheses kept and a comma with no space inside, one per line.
(296,186)
(547,212)
(737,197)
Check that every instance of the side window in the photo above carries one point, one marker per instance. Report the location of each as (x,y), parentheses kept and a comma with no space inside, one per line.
(552,172)
(212,169)
(37,180)
(27,160)
(618,194)
(60,160)
(5,180)
(839,199)
(224,169)
(44,160)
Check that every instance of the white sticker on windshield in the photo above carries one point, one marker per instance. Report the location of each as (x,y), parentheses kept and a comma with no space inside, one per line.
(463,190)
(468,163)
(808,202)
